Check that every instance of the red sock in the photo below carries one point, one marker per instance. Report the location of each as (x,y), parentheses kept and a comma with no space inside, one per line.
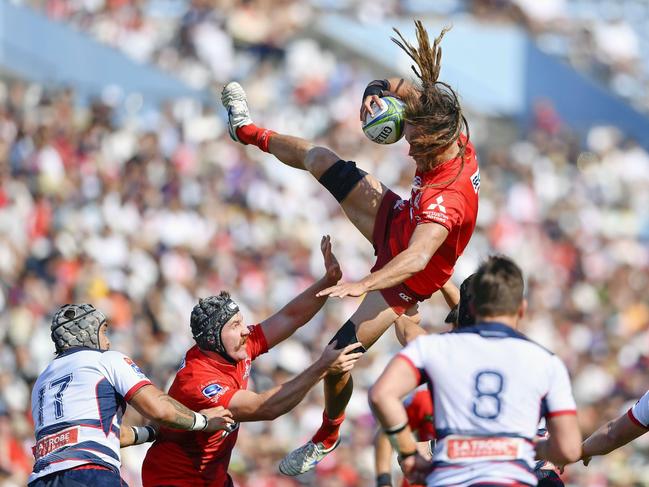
(251,134)
(328,432)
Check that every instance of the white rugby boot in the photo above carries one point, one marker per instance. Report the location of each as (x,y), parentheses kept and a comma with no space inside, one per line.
(305,458)
(235,102)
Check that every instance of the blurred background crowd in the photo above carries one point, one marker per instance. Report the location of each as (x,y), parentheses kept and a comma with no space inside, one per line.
(140,211)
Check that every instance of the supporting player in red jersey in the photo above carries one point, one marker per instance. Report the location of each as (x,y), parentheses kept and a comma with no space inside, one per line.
(417,241)
(215,372)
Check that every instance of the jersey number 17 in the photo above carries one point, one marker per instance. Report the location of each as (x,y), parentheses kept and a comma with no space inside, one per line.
(57,386)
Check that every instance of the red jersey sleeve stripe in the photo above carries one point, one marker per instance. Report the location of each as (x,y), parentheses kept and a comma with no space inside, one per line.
(414,369)
(563,412)
(136,388)
(635,420)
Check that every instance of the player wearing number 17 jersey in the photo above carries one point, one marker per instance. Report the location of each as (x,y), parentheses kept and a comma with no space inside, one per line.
(490,387)
(79,399)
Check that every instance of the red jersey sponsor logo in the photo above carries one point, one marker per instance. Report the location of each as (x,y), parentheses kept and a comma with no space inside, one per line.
(475,180)
(467,448)
(50,443)
(246,372)
(438,205)
(214,391)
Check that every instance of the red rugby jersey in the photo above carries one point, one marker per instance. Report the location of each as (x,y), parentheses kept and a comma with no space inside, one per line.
(419,408)
(451,202)
(193,458)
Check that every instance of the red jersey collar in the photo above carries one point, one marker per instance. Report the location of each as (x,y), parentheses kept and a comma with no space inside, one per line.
(215,360)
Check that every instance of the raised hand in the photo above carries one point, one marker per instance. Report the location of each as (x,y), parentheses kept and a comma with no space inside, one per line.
(343,289)
(340,361)
(366,107)
(332,267)
(218,418)
(415,468)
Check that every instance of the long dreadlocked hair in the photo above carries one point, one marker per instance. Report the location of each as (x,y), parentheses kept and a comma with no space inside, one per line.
(434,107)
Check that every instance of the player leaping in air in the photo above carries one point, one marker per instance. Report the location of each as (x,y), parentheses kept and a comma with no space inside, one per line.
(417,241)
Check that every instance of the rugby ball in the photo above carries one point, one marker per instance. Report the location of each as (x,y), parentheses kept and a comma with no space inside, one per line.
(386,126)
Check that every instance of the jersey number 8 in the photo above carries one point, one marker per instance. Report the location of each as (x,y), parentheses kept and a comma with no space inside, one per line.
(488,386)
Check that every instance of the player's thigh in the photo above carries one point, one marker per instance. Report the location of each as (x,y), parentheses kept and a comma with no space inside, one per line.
(358,193)
(362,204)
(372,318)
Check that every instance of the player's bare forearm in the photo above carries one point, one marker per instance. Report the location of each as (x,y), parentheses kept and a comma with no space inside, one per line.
(305,305)
(302,308)
(425,241)
(401,267)
(385,399)
(611,436)
(290,150)
(564,443)
(401,87)
(451,294)
(177,415)
(390,413)
(407,329)
(155,405)
(295,314)
(126,436)
(270,404)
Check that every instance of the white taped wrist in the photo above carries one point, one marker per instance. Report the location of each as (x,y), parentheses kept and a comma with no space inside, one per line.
(200,422)
(143,434)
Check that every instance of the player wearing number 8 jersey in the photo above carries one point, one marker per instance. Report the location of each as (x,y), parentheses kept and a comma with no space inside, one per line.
(490,386)
(79,399)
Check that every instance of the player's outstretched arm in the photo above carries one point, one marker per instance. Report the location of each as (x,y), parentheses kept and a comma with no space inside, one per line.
(407,326)
(385,399)
(611,436)
(270,404)
(563,445)
(451,294)
(378,88)
(157,406)
(425,241)
(136,435)
(301,309)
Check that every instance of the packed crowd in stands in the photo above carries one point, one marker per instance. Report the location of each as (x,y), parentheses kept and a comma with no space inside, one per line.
(142,213)
(606,39)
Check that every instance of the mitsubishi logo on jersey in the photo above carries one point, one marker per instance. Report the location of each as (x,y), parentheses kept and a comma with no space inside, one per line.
(435,206)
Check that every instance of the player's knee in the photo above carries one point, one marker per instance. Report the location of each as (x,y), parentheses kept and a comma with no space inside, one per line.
(319,159)
(346,335)
(341,177)
(375,396)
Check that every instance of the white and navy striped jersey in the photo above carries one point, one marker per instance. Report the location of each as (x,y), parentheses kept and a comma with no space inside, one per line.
(490,386)
(77,405)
